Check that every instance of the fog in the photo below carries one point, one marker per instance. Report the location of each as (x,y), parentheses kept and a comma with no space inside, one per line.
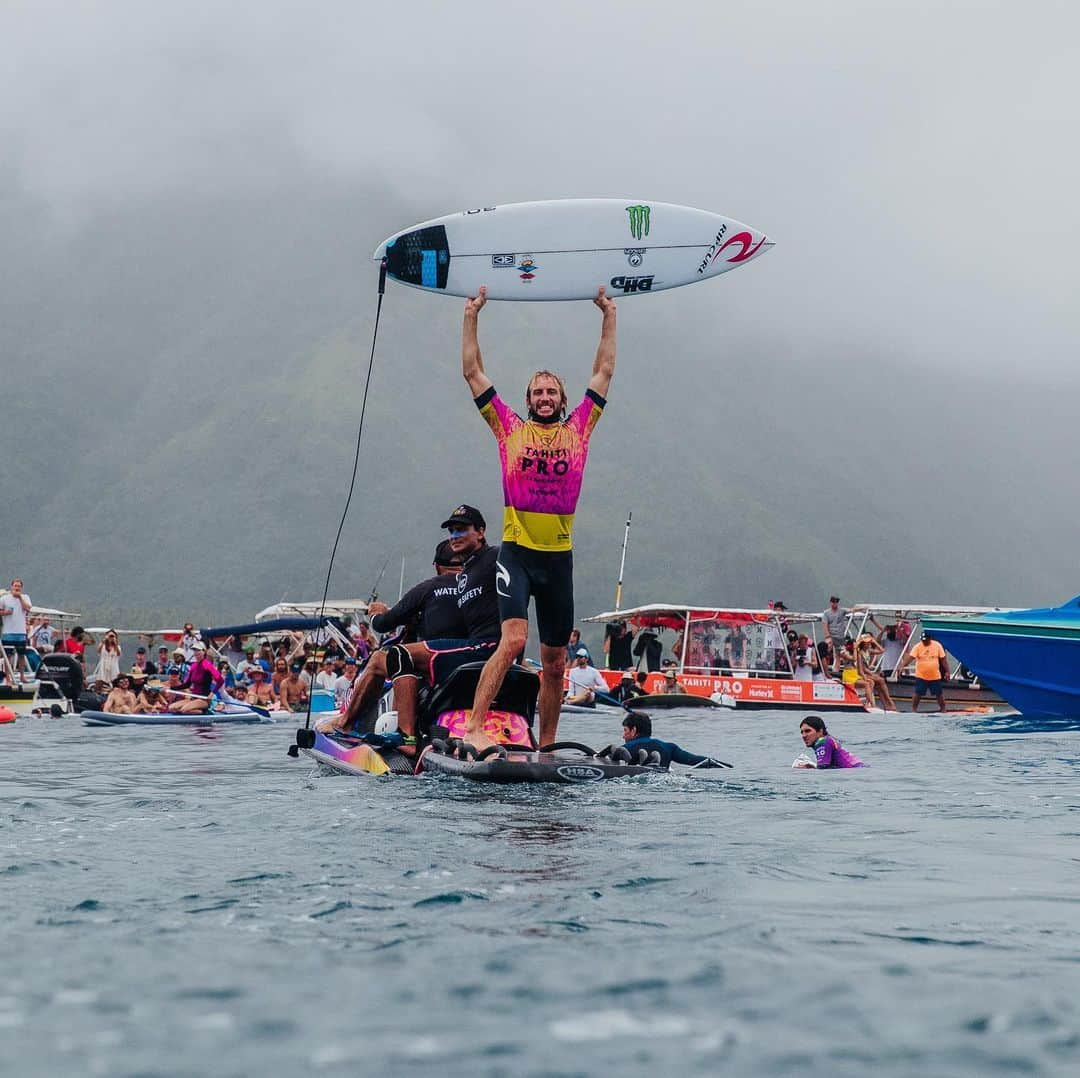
(188,201)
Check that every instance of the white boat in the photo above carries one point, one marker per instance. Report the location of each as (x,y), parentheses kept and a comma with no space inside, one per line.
(756,674)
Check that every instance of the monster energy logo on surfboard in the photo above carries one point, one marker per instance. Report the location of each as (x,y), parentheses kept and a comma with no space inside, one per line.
(639,221)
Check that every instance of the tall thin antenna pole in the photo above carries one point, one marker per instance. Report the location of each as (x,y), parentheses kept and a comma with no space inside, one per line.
(622,563)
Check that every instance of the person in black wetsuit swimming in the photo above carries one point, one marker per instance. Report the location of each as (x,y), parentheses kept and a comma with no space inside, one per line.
(637,734)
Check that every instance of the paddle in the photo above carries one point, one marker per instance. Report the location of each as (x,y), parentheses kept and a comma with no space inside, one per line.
(234,703)
(607,698)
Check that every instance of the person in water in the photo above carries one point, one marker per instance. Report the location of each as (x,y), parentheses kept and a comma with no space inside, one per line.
(828,751)
(637,734)
(543,461)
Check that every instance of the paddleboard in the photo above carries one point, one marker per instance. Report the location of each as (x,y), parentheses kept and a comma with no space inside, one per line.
(567,248)
(213,718)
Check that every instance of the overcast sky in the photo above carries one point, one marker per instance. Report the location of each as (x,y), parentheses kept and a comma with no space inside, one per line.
(915,162)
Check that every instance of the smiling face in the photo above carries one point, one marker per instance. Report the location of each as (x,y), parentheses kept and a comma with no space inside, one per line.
(545,397)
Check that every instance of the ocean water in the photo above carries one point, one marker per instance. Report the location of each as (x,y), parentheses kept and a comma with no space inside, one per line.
(179,902)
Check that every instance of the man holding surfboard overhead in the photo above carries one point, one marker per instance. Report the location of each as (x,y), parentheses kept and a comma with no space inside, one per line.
(543,461)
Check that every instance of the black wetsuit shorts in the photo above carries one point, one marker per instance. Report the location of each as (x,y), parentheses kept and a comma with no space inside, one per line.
(545,575)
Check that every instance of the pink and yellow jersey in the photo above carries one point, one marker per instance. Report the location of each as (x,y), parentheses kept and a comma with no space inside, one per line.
(542,468)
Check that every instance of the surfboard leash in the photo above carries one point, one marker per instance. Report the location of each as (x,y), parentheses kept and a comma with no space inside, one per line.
(356,463)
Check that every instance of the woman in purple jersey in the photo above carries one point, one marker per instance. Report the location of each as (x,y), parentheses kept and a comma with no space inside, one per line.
(828,751)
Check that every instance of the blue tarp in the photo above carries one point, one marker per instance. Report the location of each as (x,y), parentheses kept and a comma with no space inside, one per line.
(275,625)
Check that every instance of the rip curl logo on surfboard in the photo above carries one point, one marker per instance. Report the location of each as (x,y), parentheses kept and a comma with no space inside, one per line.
(528,268)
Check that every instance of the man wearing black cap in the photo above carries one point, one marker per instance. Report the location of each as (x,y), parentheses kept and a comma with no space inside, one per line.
(543,462)
(428,611)
(436,659)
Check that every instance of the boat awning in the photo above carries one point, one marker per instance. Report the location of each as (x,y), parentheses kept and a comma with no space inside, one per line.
(338,608)
(916,610)
(272,625)
(676,616)
(49,612)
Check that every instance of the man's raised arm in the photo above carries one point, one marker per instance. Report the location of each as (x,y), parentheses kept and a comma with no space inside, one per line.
(472,365)
(604,365)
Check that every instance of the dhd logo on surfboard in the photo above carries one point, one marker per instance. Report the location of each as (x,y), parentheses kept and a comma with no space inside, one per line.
(633,284)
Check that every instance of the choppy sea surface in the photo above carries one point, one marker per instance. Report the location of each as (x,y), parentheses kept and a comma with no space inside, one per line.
(180,902)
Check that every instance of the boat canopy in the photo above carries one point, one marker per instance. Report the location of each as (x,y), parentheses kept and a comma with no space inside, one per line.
(916,610)
(274,625)
(677,615)
(337,608)
(49,612)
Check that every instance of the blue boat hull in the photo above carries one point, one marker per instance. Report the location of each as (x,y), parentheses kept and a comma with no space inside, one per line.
(1031,657)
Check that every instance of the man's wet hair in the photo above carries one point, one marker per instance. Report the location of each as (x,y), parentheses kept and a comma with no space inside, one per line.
(639,721)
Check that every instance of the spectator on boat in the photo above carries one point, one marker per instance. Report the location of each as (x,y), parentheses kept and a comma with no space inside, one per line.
(892,647)
(585,681)
(149,701)
(162,660)
(293,691)
(931,670)
(849,672)
(226,671)
(642,678)
(671,683)
(618,644)
(265,656)
(121,700)
(142,663)
(245,666)
(42,634)
(260,691)
(648,649)
(573,647)
(188,639)
(75,644)
(343,686)
(307,674)
(15,607)
(326,678)
(174,685)
(365,642)
(828,752)
(677,646)
(278,674)
(735,646)
(867,649)
(825,657)
(803,657)
(178,663)
(109,656)
(233,651)
(835,618)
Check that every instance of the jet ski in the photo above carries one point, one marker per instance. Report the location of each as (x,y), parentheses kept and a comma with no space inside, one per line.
(516,758)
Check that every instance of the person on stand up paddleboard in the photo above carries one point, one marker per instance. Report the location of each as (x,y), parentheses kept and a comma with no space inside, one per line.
(543,461)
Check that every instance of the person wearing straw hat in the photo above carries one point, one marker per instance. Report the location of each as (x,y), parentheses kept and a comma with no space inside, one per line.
(150,700)
(672,683)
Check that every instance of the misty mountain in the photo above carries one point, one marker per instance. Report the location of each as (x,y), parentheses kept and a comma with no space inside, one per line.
(185,375)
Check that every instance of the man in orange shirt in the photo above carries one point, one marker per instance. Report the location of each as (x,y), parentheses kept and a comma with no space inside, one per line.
(931,668)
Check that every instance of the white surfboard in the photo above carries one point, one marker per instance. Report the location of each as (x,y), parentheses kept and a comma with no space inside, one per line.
(566,249)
